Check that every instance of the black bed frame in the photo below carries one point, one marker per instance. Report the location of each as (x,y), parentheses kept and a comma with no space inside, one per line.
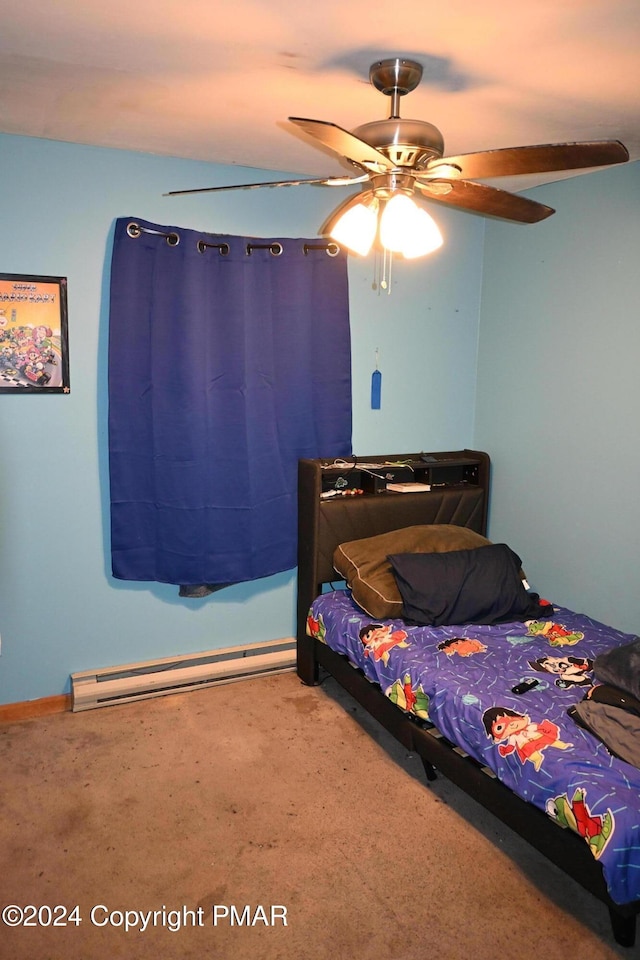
(459,494)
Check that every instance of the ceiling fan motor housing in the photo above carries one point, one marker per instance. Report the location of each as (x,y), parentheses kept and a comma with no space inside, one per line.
(407,143)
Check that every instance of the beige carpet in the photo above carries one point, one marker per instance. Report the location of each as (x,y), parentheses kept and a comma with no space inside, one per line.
(258,795)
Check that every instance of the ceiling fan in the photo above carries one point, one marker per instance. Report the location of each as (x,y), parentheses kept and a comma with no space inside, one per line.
(395,160)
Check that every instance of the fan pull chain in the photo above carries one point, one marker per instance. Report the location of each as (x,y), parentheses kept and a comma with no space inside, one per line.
(387,265)
(383,281)
(382,265)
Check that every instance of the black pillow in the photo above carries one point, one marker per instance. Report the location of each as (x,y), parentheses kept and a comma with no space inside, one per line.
(620,667)
(465,586)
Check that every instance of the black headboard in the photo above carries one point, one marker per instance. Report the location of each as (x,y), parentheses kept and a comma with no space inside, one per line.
(459,494)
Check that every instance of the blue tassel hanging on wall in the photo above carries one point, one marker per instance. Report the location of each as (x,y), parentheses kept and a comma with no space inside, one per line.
(376,387)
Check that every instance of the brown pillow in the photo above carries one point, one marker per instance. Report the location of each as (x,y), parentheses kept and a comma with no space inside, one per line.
(369,575)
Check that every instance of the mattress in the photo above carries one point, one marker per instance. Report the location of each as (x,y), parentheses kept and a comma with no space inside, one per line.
(461,680)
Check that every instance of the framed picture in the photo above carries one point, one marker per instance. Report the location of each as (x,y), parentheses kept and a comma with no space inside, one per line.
(34,350)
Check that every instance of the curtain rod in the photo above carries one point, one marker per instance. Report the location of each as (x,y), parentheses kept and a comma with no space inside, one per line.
(274,247)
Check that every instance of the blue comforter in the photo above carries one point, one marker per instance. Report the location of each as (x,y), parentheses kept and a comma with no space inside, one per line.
(461,678)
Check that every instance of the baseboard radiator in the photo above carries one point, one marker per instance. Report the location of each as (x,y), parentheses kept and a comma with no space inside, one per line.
(157,678)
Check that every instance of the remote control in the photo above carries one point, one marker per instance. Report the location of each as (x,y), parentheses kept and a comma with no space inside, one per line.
(524,686)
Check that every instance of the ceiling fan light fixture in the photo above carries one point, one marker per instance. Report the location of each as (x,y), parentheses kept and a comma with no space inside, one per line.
(407,229)
(356,228)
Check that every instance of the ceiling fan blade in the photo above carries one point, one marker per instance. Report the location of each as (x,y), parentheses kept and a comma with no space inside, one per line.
(343,143)
(321,182)
(544,158)
(488,201)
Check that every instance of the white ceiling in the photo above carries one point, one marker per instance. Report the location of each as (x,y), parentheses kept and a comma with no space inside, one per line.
(215,81)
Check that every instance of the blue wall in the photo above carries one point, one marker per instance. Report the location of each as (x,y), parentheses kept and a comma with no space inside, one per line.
(60,609)
(558,401)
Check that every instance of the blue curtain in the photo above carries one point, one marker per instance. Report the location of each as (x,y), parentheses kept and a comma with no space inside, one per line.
(229,359)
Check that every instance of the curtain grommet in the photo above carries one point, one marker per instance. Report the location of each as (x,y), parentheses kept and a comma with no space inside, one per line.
(331,249)
(223,248)
(134,230)
(275,248)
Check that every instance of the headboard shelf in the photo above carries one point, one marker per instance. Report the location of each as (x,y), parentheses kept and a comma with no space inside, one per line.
(366,475)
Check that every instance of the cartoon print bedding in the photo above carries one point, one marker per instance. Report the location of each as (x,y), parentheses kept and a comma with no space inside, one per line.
(461,679)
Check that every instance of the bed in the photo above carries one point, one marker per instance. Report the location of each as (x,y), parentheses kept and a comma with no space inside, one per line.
(445,688)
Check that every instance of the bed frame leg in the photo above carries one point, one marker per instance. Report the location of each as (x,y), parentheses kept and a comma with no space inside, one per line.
(429,769)
(306,663)
(624,927)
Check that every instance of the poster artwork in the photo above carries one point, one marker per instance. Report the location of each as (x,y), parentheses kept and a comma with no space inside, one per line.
(33,334)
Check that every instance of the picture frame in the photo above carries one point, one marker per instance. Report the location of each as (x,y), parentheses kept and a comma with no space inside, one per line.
(34,345)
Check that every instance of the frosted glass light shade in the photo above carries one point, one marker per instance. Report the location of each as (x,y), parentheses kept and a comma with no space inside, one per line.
(407,229)
(425,237)
(397,214)
(356,228)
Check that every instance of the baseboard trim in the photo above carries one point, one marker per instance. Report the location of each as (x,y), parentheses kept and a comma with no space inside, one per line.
(28,709)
